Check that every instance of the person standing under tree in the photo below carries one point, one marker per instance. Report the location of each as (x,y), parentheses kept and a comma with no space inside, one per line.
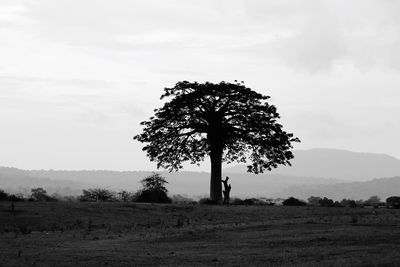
(226,191)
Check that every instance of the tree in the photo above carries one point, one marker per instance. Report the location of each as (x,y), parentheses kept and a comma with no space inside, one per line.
(228,122)
(373,201)
(154,182)
(39,194)
(326,202)
(313,201)
(293,202)
(124,196)
(96,194)
(154,190)
(3,195)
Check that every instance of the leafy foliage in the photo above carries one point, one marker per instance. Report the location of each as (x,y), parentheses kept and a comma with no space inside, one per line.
(314,201)
(228,119)
(154,190)
(293,202)
(154,182)
(96,194)
(3,195)
(124,196)
(39,194)
(393,202)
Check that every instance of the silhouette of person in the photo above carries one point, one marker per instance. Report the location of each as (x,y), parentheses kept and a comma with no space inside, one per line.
(226,191)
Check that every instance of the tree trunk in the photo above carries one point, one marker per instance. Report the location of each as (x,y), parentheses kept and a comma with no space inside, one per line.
(216,175)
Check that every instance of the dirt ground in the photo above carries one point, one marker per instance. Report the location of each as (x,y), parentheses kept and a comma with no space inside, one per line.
(119,234)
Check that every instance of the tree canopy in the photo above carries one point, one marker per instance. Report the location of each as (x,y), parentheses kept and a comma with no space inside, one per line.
(227,121)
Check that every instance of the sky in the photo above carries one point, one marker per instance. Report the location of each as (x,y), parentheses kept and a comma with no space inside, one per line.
(78,76)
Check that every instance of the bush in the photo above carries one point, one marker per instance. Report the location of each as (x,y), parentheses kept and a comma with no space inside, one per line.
(249,201)
(3,195)
(152,196)
(125,196)
(16,198)
(154,190)
(348,203)
(39,194)
(313,201)
(96,194)
(326,202)
(374,201)
(393,202)
(237,201)
(293,202)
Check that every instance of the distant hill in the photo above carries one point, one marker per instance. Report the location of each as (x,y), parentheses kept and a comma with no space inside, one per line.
(189,183)
(383,187)
(20,181)
(323,172)
(337,164)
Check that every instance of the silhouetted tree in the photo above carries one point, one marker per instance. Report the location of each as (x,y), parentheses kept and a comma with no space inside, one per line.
(124,196)
(39,194)
(348,203)
(293,202)
(228,122)
(393,202)
(374,201)
(326,202)
(154,190)
(96,194)
(3,195)
(313,201)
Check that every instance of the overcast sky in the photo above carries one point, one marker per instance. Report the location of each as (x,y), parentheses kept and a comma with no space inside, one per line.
(78,76)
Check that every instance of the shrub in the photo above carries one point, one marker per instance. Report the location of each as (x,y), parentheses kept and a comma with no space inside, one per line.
(393,202)
(152,196)
(154,190)
(16,198)
(39,194)
(348,203)
(326,202)
(125,196)
(96,194)
(313,201)
(293,202)
(374,201)
(237,201)
(3,195)
(249,201)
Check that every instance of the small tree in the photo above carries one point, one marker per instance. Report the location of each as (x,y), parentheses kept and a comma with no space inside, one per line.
(39,194)
(3,195)
(313,201)
(326,202)
(154,190)
(293,202)
(154,182)
(373,201)
(124,196)
(96,194)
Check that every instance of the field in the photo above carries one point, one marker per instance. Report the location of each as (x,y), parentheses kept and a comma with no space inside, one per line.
(119,234)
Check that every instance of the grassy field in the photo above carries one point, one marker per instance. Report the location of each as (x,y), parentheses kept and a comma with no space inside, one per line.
(118,234)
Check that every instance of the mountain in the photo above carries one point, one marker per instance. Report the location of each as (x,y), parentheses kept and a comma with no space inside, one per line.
(337,164)
(383,187)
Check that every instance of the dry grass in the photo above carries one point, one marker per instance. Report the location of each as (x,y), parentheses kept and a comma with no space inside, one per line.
(117,234)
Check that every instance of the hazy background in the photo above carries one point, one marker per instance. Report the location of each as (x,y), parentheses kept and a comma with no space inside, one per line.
(77,77)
